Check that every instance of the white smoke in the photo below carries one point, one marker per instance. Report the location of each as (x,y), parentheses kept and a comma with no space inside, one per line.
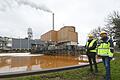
(2,7)
(4,4)
(33,5)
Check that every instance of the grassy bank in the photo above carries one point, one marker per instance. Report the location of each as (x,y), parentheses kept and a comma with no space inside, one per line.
(80,74)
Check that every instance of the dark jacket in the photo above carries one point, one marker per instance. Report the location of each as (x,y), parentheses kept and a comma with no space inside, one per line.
(91,48)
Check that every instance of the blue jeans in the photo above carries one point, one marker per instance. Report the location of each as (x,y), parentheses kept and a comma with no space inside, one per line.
(106,61)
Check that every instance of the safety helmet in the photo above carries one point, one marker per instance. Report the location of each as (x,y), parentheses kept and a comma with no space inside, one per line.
(103,32)
(90,35)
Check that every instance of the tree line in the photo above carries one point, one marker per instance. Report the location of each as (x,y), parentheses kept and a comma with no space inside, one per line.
(112,28)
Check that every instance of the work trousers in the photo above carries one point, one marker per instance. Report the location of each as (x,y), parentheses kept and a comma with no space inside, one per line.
(92,59)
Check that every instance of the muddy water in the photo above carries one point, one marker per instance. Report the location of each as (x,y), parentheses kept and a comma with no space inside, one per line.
(12,63)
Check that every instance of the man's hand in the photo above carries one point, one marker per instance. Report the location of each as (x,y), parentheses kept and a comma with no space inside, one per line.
(110,58)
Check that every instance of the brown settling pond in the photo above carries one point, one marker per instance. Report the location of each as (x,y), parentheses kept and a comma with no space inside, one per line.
(13,62)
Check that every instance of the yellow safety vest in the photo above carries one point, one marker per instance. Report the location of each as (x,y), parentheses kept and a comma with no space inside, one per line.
(104,49)
(91,44)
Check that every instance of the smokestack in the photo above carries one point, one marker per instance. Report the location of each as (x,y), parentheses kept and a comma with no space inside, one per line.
(53,20)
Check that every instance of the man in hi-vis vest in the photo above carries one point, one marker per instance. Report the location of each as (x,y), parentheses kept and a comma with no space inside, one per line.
(91,52)
(105,51)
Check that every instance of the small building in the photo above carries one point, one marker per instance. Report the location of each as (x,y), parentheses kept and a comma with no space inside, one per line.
(5,44)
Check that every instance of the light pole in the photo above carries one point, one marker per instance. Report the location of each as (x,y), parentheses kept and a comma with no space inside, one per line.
(28,44)
(20,43)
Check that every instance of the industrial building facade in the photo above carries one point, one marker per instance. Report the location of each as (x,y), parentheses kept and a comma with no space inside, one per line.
(65,34)
(19,44)
(25,43)
(50,36)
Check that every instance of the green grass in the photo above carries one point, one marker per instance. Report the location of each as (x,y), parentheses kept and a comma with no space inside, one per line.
(80,74)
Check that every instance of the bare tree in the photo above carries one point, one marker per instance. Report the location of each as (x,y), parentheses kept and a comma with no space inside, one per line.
(96,31)
(114,21)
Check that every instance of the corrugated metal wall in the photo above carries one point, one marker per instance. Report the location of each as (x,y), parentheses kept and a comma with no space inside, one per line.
(24,43)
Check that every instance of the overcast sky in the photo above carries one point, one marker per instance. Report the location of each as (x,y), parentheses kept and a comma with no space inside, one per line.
(85,15)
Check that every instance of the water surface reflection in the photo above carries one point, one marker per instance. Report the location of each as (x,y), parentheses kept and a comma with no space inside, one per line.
(28,63)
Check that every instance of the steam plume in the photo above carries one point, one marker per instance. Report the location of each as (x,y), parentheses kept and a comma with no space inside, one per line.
(33,5)
(4,4)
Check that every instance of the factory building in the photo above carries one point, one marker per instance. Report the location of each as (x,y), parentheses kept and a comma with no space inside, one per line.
(5,43)
(26,44)
(50,36)
(64,39)
(19,44)
(65,34)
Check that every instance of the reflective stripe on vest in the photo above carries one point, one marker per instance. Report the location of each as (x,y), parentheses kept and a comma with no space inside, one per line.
(104,49)
(91,44)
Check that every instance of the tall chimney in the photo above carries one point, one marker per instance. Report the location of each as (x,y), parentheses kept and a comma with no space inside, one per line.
(53,20)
